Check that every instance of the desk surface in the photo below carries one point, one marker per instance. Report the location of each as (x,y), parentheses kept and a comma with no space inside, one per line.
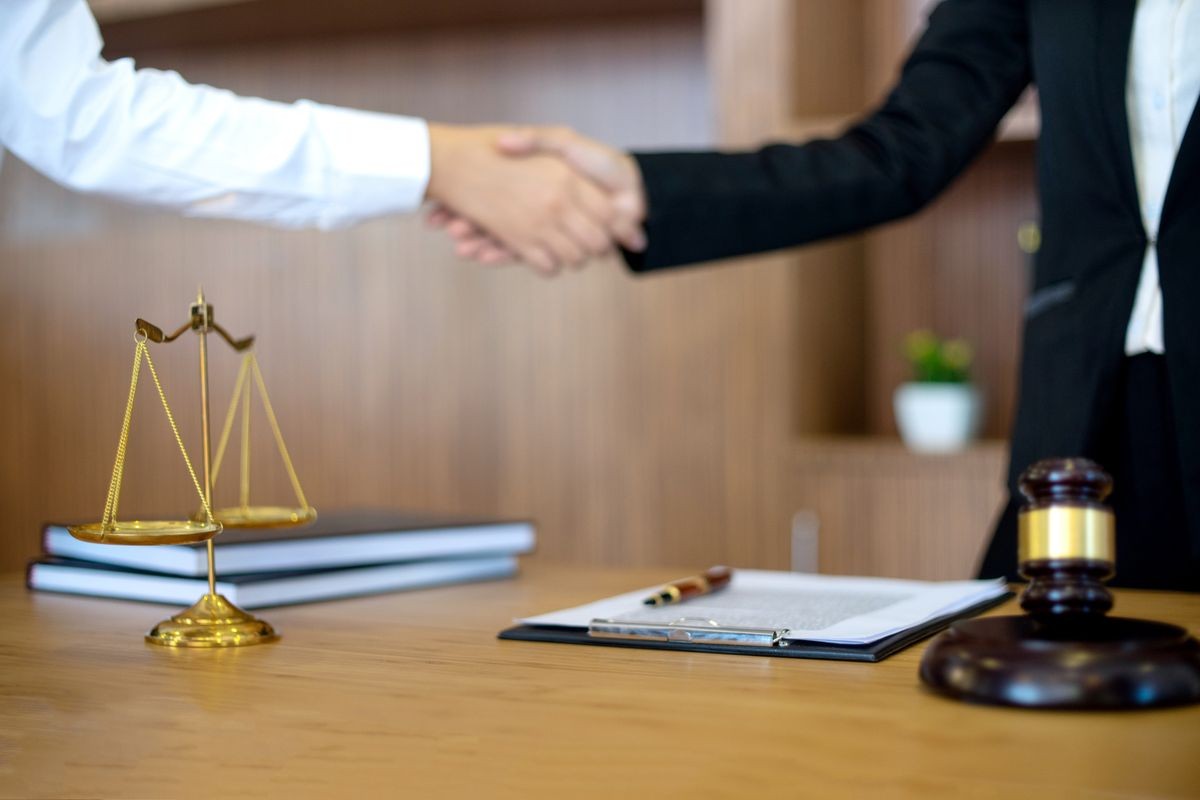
(412,695)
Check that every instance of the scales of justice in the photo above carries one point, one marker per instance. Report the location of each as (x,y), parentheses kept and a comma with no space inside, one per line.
(212,621)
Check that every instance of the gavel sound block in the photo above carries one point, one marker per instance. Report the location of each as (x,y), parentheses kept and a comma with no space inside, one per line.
(1065,652)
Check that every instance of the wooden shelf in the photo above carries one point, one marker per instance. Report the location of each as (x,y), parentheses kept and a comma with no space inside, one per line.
(107,11)
(139,24)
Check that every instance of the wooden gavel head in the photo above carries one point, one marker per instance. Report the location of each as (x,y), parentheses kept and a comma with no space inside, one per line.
(1067,540)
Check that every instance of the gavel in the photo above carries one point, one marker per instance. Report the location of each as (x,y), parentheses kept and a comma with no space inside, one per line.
(1066,652)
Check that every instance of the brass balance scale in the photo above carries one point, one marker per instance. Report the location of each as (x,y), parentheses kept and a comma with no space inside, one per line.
(212,621)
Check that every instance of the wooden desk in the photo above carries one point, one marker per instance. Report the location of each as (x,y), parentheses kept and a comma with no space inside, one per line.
(411,695)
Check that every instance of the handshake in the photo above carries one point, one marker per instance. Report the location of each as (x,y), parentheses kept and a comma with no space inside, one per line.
(545,196)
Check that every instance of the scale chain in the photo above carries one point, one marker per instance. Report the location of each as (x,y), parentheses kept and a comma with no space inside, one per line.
(244,495)
(118,473)
(178,439)
(274,423)
(241,393)
(227,428)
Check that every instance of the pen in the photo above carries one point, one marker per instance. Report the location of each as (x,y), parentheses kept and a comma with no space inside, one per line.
(711,580)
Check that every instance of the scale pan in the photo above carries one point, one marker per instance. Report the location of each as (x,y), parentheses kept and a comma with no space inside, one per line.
(265,516)
(146,532)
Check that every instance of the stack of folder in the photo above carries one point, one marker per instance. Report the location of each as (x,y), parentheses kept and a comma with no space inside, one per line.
(342,554)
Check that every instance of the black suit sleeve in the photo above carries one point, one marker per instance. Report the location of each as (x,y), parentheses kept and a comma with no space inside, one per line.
(966,71)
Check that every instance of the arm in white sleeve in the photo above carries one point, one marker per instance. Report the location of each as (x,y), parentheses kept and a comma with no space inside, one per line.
(148,136)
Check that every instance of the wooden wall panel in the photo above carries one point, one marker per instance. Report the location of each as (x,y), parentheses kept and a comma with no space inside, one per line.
(627,415)
(401,376)
(663,419)
(772,61)
(890,27)
(884,511)
(776,61)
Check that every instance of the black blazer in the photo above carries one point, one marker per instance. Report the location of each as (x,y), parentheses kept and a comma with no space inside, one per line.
(964,74)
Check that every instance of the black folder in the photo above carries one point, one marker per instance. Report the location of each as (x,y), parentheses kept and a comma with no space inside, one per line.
(874,651)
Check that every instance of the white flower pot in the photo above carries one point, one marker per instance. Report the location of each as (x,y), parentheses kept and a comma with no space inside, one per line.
(937,417)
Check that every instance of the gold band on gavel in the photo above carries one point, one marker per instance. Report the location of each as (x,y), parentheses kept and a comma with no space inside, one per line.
(1066,532)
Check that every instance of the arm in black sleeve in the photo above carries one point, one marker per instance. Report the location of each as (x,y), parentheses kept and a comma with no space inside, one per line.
(965,73)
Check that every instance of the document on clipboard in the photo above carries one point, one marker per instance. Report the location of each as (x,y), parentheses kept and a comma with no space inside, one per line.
(774,613)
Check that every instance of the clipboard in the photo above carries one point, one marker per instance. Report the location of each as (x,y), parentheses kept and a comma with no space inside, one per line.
(708,636)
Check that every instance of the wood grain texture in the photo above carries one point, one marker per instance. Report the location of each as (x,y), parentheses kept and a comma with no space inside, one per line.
(639,421)
(770,61)
(412,694)
(882,510)
(890,29)
(627,416)
(401,376)
(956,269)
(774,61)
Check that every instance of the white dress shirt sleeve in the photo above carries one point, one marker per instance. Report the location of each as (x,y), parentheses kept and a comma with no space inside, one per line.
(148,136)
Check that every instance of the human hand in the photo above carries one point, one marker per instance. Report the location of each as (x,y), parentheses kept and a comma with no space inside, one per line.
(470,241)
(611,170)
(535,207)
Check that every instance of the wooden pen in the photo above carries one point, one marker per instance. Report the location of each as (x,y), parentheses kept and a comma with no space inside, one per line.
(711,580)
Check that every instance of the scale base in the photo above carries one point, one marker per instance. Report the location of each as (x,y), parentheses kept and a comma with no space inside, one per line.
(1101,663)
(212,622)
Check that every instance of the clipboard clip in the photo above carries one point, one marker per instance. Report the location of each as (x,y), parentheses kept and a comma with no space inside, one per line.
(689,630)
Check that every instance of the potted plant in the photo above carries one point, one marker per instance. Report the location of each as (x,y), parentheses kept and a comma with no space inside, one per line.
(938,410)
